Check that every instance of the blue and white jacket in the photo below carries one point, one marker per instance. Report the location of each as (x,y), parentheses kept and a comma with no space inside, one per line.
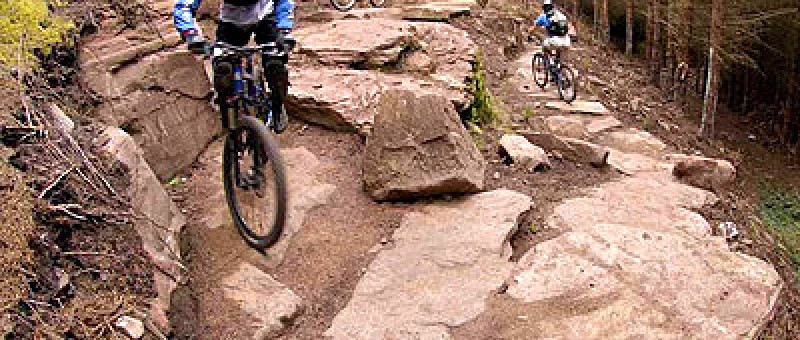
(547,21)
(238,15)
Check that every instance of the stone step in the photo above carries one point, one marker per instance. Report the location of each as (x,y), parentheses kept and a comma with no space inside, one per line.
(636,261)
(438,271)
(588,107)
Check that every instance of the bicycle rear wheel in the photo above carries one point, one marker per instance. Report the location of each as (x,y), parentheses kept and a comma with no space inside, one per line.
(343,5)
(540,70)
(566,85)
(255,184)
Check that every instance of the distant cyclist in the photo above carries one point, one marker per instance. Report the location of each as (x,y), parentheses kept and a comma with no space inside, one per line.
(270,20)
(557,26)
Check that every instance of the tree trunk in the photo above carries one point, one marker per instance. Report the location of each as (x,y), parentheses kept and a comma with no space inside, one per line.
(595,17)
(712,85)
(657,44)
(606,30)
(629,28)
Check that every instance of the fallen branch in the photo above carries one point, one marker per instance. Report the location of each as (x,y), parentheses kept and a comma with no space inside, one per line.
(55,182)
(64,208)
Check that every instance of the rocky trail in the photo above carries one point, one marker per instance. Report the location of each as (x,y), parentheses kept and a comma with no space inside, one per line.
(566,225)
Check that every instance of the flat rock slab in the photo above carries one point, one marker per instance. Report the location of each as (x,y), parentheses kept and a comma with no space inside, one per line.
(438,10)
(634,163)
(653,203)
(347,99)
(581,127)
(595,108)
(616,281)
(371,42)
(269,303)
(444,262)
(634,141)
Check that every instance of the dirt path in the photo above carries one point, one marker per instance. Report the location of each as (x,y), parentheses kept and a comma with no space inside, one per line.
(578,251)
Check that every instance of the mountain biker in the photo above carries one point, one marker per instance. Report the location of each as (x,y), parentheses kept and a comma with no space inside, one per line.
(270,20)
(557,27)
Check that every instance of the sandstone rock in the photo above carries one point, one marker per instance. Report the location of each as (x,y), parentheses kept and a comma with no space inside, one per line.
(703,172)
(132,327)
(370,43)
(347,99)
(578,106)
(652,203)
(271,305)
(597,125)
(438,10)
(634,141)
(571,127)
(451,49)
(420,148)
(417,62)
(585,152)
(643,285)
(306,192)
(161,221)
(633,163)
(444,263)
(524,153)
(172,124)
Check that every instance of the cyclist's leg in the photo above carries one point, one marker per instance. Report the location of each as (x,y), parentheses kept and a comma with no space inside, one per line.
(276,73)
(223,68)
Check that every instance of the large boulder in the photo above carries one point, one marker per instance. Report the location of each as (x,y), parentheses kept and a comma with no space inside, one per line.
(420,148)
(443,264)
(703,172)
(158,221)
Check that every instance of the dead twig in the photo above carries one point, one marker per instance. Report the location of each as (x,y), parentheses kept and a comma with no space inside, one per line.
(87,253)
(55,182)
(64,208)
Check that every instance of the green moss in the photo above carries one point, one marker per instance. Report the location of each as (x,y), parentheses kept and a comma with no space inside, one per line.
(780,211)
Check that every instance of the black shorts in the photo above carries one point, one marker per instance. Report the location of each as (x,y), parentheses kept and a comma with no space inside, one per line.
(264,30)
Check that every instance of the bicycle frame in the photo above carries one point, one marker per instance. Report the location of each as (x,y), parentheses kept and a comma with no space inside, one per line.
(248,82)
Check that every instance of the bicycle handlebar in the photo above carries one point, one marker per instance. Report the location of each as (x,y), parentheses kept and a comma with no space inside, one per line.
(269,49)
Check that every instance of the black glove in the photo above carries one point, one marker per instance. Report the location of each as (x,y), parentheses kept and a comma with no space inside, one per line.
(286,40)
(197,44)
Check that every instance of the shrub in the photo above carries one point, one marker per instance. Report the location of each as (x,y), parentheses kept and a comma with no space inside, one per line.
(27,27)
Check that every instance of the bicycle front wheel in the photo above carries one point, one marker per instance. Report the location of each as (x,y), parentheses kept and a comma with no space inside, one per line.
(540,70)
(255,184)
(343,5)
(566,85)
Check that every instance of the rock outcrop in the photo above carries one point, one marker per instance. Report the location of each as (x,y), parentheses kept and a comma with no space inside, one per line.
(158,221)
(441,267)
(156,93)
(420,148)
(523,153)
(703,172)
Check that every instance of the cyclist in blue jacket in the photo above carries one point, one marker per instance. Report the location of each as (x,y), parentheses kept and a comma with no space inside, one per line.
(557,27)
(270,20)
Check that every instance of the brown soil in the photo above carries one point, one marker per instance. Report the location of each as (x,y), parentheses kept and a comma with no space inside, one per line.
(63,277)
(325,259)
